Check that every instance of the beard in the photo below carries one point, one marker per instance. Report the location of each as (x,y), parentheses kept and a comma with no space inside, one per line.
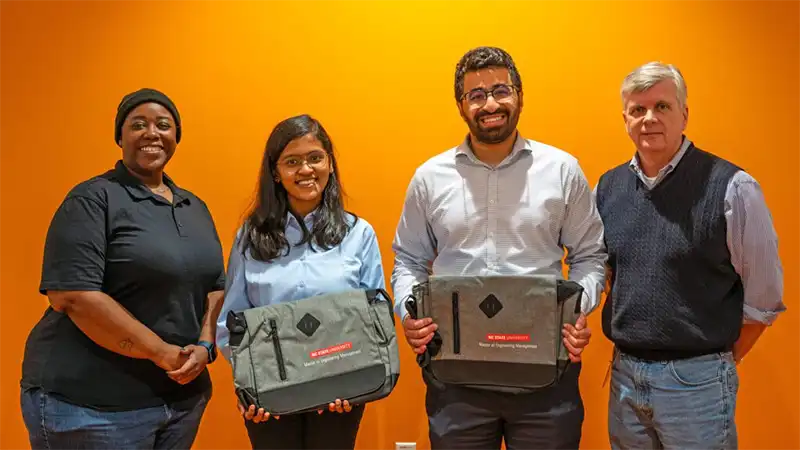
(493,135)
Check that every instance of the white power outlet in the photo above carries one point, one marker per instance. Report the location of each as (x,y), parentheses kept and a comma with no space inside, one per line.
(405,446)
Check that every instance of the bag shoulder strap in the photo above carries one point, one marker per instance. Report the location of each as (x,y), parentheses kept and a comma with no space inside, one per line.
(372,296)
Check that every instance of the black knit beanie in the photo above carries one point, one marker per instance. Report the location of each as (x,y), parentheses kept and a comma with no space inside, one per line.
(134,99)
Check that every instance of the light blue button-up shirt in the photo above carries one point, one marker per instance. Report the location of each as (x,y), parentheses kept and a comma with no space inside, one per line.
(353,264)
(751,237)
(464,217)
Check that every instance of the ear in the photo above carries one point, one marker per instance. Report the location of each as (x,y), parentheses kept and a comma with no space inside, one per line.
(625,109)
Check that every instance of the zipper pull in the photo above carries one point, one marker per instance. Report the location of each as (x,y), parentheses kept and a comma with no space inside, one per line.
(273,328)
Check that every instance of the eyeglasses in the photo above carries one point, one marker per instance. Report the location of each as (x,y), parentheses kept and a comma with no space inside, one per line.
(315,160)
(479,96)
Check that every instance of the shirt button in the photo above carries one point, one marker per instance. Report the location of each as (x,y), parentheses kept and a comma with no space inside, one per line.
(491,202)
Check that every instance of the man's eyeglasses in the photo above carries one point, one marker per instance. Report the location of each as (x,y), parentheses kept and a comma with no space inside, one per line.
(479,96)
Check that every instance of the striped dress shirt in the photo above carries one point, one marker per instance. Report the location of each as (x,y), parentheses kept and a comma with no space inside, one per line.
(464,217)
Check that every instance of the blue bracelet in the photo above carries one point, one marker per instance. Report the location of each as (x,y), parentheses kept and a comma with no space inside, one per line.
(212,350)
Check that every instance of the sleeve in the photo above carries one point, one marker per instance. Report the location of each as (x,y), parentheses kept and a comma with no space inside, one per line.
(582,236)
(219,284)
(371,273)
(753,245)
(235,294)
(75,248)
(414,246)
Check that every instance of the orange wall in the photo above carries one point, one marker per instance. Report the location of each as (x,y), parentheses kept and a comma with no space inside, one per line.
(379,76)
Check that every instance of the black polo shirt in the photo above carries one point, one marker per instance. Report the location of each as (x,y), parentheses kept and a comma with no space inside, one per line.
(158,260)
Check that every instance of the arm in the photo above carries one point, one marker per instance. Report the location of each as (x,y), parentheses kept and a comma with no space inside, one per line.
(199,356)
(215,297)
(213,309)
(370,277)
(748,336)
(608,273)
(415,249)
(72,278)
(414,246)
(235,297)
(582,236)
(753,244)
(112,327)
(371,273)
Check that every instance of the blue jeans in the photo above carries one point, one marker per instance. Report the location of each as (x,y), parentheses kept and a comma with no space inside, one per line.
(679,404)
(55,424)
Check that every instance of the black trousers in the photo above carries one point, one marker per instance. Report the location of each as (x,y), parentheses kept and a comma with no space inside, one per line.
(329,431)
(469,418)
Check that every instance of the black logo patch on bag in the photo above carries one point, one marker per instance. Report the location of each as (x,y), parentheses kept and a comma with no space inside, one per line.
(490,306)
(308,324)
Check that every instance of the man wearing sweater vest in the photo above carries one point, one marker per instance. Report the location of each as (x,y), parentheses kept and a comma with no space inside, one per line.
(695,275)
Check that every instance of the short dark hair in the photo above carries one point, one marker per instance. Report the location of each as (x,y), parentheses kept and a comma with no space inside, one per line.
(481,58)
(264,229)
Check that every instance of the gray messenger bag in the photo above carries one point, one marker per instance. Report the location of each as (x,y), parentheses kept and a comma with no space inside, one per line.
(299,356)
(496,332)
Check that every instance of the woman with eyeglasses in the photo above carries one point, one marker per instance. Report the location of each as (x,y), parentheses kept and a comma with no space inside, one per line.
(298,241)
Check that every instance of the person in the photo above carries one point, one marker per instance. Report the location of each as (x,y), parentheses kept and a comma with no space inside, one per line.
(298,241)
(695,275)
(499,204)
(134,274)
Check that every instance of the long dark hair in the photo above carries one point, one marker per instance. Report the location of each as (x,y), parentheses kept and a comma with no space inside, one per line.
(265,225)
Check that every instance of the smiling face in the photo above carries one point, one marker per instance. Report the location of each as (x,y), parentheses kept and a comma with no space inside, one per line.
(304,168)
(655,119)
(148,139)
(493,118)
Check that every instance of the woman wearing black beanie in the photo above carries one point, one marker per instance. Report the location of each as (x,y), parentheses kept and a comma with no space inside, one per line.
(133,270)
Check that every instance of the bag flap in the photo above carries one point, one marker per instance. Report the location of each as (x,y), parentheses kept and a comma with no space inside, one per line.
(504,319)
(313,340)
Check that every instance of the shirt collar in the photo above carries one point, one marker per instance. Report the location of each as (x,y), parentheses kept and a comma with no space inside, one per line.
(520,145)
(308,220)
(138,190)
(636,167)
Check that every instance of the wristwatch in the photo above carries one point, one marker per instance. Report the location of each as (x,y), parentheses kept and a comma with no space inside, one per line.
(212,350)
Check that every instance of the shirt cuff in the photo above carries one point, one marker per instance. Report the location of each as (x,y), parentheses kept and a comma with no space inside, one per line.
(753,315)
